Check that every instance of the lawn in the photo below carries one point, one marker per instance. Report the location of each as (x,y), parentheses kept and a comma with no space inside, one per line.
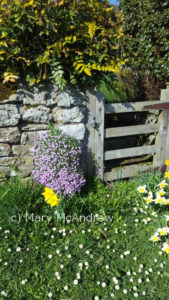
(100,250)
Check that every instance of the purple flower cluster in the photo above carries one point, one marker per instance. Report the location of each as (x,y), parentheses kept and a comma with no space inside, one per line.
(57,162)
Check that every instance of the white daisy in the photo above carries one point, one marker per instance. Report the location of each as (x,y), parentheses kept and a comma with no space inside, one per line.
(75,281)
(50,295)
(18,249)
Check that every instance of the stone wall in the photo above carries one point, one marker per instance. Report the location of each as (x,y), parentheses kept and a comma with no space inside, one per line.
(29,112)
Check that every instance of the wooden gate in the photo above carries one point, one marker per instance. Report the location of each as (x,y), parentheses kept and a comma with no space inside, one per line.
(96,135)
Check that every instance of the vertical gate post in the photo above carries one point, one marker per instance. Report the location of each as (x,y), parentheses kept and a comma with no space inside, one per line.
(162,140)
(90,132)
(99,135)
(94,133)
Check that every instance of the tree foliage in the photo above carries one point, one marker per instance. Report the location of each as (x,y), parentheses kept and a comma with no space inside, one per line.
(62,40)
(146,37)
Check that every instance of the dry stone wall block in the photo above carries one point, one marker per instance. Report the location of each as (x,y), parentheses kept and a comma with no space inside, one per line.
(70,96)
(75,130)
(75,114)
(10,161)
(29,138)
(4,172)
(9,115)
(40,114)
(24,171)
(41,95)
(9,135)
(34,127)
(15,98)
(20,150)
(5,149)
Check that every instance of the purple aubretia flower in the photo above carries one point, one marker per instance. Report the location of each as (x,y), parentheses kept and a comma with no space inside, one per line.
(57,163)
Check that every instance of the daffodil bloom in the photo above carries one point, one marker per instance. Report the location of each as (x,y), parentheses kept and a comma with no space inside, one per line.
(162,184)
(160,193)
(166,202)
(50,197)
(167,162)
(159,200)
(166,247)
(162,231)
(142,189)
(166,175)
(148,199)
(155,238)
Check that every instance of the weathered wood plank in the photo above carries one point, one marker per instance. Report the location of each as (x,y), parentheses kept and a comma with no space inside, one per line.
(129,106)
(99,135)
(126,172)
(131,130)
(90,132)
(129,152)
(161,106)
(162,140)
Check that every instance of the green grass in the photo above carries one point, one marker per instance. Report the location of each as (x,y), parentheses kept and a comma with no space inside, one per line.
(125,223)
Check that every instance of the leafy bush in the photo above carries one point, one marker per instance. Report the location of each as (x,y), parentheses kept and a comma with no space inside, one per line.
(109,257)
(146,40)
(124,88)
(61,40)
(57,162)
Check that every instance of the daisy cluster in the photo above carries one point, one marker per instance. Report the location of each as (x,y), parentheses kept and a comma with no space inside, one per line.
(160,197)
(99,260)
(86,256)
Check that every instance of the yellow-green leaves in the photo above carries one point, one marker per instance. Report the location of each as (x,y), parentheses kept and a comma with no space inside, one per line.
(10,77)
(59,40)
(92,28)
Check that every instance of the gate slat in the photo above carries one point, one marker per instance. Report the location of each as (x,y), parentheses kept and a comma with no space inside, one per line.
(128,171)
(129,106)
(129,152)
(131,130)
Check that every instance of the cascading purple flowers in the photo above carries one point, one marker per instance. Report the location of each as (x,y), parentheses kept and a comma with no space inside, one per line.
(57,162)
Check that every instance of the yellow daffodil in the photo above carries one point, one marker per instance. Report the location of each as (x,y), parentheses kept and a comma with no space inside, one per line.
(148,199)
(159,200)
(50,197)
(166,247)
(167,162)
(166,202)
(160,193)
(162,231)
(155,238)
(166,175)
(162,184)
(142,189)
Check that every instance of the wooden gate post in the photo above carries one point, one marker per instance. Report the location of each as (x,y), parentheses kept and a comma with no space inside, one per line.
(99,135)
(94,133)
(162,140)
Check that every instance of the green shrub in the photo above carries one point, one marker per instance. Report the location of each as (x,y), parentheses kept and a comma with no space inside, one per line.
(61,40)
(124,88)
(146,41)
